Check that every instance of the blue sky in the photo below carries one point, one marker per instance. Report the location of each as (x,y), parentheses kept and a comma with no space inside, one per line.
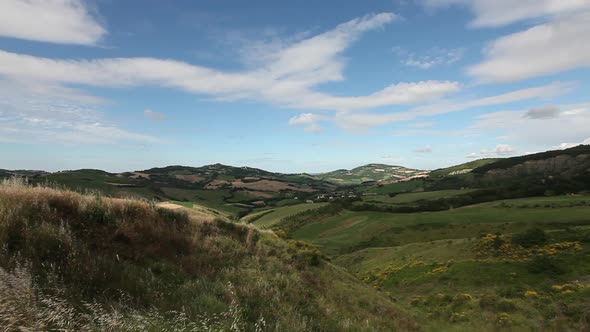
(298,86)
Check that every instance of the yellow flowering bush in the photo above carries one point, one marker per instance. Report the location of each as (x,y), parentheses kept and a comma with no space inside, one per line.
(503,319)
(458,317)
(439,269)
(531,294)
(493,245)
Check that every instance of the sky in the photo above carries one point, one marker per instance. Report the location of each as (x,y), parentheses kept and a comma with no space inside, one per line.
(289,86)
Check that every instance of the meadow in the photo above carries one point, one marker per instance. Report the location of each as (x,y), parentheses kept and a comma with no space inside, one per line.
(412,197)
(351,230)
(519,264)
(267,218)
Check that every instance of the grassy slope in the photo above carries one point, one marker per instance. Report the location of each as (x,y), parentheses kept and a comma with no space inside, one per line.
(273,216)
(428,262)
(161,184)
(469,165)
(350,230)
(399,187)
(365,173)
(412,197)
(135,263)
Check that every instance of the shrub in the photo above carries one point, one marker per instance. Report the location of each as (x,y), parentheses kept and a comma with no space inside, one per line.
(503,320)
(530,237)
(545,265)
(496,304)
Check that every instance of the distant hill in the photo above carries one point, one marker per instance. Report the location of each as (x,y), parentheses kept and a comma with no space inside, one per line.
(462,168)
(236,190)
(371,173)
(546,173)
(241,190)
(4,173)
(568,162)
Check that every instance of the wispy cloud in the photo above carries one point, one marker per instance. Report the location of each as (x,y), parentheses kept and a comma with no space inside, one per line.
(545,112)
(422,124)
(501,150)
(287,78)
(153,115)
(29,114)
(363,121)
(494,13)
(544,49)
(54,21)
(571,145)
(434,57)
(424,149)
(570,124)
(309,121)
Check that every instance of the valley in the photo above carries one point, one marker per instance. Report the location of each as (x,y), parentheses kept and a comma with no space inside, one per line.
(494,244)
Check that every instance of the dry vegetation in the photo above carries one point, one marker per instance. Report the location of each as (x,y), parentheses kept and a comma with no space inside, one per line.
(269,185)
(73,262)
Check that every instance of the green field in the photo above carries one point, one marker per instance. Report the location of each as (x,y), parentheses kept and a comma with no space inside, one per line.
(353,230)
(273,216)
(215,199)
(399,187)
(434,265)
(412,197)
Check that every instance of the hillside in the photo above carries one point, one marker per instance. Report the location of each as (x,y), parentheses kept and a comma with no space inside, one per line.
(565,163)
(502,246)
(234,190)
(80,263)
(462,168)
(505,265)
(371,173)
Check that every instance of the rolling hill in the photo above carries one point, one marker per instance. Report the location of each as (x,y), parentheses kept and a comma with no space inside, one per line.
(504,246)
(371,173)
(487,245)
(236,190)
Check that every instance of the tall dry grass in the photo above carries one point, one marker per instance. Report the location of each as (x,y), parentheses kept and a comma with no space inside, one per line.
(25,307)
(74,262)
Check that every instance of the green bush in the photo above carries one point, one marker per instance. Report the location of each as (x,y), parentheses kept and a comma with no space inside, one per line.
(496,304)
(546,265)
(530,237)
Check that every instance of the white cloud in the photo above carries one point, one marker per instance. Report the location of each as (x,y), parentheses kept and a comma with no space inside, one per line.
(54,21)
(434,57)
(33,114)
(425,149)
(309,121)
(493,13)
(501,150)
(313,128)
(571,124)
(544,49)
(153,115)
(396,94)
(389,156)
(286,78)
(571,145)
(436,132)
(544,112)
(363,121)
(422,124)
